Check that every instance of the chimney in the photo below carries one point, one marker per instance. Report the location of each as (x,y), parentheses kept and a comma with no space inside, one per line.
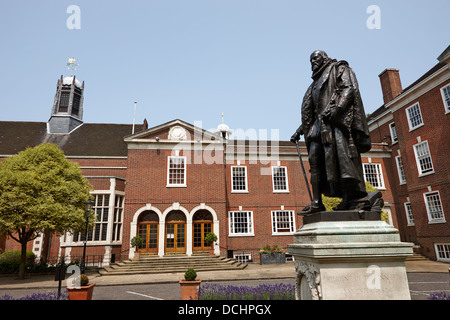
(390,84)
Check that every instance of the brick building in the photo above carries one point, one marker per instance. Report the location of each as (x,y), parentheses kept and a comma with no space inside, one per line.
(415,122)
(175,182)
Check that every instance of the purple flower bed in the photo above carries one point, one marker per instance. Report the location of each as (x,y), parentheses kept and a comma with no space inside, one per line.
(279,291)
(38,296)
(439,296)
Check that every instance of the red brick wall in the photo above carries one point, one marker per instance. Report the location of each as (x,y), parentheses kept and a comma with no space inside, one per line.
(436,131)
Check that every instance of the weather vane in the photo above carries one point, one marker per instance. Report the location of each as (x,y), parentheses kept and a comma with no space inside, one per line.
(71,65)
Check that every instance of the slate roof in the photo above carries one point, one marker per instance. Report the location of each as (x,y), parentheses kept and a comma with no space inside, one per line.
(382,108)
(89,139)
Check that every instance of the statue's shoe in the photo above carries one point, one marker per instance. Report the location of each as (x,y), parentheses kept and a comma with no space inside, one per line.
(311,209)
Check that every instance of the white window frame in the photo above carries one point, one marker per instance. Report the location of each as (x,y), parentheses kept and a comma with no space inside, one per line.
(409,213)
(286,190)
(445,249)
(117,222)
(411,127)
(233,190)
(400,169)
(444,99)
(232,222)
(102,226)
(243,257)
(171,185)
(419,167)
(432,219)
(393,130)
(290,215)
(379,175)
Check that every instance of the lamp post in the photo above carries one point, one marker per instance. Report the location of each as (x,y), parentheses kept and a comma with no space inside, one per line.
(88,205)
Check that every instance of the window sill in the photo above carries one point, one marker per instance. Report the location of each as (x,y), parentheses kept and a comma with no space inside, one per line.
(437,221)
(425,174)
(239,191)
(416,127)
(241,235)
(282,233)
(176,186)
(280,191)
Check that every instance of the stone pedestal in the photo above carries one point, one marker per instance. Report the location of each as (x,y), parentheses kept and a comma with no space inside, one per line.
(350,260)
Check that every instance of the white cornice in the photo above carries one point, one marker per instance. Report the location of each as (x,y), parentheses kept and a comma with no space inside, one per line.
(383,118)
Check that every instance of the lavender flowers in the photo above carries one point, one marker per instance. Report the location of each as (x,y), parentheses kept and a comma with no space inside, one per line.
(38,296)
(279,291)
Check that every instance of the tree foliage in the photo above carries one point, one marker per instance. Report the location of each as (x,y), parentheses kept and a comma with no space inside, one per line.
(41,190)
(330,202)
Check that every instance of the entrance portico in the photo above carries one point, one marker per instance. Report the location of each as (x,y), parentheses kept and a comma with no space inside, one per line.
(176,230)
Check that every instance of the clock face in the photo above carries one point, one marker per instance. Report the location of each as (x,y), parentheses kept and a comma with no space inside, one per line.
(177,133)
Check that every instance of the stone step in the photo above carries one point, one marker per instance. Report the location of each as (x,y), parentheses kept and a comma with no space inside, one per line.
(137,270)
(164,267)
(162,261)
(417,257)
(171,264)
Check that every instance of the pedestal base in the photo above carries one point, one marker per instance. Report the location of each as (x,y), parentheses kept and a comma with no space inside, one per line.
(345,215)
(350,260)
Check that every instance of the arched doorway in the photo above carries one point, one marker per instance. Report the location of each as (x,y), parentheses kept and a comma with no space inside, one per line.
(175,237)
(148,226)
(202,225)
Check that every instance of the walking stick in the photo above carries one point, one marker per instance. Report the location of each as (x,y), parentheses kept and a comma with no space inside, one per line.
(303,169)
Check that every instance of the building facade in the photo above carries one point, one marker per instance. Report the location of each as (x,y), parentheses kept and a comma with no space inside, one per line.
(415,121)
(175,182)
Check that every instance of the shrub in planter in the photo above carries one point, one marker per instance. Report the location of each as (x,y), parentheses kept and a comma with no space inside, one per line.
(190,275)
(136,242)
(190,286)
(210,238)
(84,291)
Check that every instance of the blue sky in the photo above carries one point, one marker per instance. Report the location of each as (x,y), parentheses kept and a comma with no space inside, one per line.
(194,59)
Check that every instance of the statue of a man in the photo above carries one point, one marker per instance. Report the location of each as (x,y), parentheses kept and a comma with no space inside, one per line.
(336,133)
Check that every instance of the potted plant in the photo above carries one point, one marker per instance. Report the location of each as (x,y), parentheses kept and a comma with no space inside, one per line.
(136,242)
(274,255)
(83,291)
(190,285)
(210,238)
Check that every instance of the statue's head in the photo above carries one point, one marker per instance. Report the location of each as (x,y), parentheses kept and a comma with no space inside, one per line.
(317,59)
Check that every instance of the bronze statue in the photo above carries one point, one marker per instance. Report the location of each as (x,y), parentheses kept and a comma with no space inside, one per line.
(336,133)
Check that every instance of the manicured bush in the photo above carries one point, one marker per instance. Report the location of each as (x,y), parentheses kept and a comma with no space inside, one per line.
(211,237)
(84,280)
(137,241)
(190,275)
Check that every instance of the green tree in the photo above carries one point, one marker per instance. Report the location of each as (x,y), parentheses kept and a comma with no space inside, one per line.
(41,191)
